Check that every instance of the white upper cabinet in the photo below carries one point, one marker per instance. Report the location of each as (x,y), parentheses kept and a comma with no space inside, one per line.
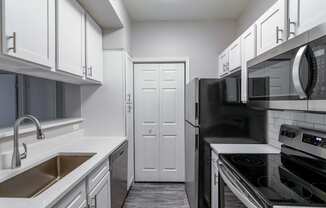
(305,14)
(70,37)
(271,27)
(223,60)
(94,50)
(248,51)
(29,30)
(235,55)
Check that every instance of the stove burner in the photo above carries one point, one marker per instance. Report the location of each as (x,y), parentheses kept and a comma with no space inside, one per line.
(248,160)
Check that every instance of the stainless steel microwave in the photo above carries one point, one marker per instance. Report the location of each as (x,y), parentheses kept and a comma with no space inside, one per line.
(291,76)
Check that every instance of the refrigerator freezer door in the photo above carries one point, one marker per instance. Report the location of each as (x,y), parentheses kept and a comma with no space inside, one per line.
(192,156)
(192,102)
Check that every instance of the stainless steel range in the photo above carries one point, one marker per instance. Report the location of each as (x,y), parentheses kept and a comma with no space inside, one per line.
(294,178)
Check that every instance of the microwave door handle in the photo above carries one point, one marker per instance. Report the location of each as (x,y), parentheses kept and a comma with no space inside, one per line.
(296,72)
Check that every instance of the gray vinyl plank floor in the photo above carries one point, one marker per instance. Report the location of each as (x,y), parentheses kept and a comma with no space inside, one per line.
(157,195)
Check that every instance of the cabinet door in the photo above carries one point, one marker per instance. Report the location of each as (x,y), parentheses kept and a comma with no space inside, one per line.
(70,37)
(235,55)
(223,63)
(304,15)
(248,51)
(29,30)
(100,197)
(74,199)
(94,50)
(270,27)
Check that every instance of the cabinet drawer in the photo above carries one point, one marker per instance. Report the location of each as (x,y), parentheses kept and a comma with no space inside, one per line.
(95,177)
(75,198)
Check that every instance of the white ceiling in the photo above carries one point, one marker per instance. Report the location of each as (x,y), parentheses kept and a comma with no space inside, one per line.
(156,10)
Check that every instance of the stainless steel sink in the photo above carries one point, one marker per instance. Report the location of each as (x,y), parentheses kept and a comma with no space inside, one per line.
(37,179)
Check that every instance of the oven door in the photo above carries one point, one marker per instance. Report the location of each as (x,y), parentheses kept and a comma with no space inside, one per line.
(284,81)
(232,193)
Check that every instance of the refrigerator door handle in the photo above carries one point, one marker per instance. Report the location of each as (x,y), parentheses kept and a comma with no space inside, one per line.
(197,142)
(196,111)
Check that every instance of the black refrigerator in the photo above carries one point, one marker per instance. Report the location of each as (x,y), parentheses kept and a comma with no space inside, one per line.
(213,110)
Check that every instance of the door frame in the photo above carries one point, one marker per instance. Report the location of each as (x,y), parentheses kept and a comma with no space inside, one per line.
(158,60)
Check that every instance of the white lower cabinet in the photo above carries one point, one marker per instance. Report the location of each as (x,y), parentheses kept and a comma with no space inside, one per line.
(94,192)
(99,196)
(75,199)
(214,183)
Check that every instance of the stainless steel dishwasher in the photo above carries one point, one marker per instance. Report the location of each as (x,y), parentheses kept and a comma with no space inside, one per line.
(119,175)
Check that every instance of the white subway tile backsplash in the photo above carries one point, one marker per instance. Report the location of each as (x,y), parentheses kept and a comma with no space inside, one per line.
(307,120)
(314,118)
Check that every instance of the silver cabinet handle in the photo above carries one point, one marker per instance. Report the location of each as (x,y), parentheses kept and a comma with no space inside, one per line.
(296,72)
(14,46)
(129,108)
(278,30)
(215,179)
(84,70)
(93,203)
(289,25)
(90,71)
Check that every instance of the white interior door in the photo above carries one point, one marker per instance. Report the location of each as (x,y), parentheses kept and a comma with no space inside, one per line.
(159,122)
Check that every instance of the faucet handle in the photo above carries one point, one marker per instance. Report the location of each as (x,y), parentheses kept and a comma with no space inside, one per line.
(24,154)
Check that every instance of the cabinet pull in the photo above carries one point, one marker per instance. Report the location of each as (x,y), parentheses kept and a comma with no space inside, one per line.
(90,71)
(13,37)
(93,203)
(294,26)
(215,179)
(84,70)
(278,39)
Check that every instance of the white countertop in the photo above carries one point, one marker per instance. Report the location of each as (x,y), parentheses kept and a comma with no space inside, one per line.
(244,148)
(42,151)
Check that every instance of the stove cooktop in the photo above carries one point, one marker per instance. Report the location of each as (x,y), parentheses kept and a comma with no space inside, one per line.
(278,180)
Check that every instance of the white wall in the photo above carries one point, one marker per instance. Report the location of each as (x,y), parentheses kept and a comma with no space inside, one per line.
(103,106)
(201,41)
(253,11)
(114,39)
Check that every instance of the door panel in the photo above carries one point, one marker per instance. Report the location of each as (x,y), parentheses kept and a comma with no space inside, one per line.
(34,23)
(171,122)
(235,55)
(70,37)
(147,122)
(248,48)
(270,27)
(159,120)
(305,15)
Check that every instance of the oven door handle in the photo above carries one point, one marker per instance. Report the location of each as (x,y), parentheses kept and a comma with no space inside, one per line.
(236,190)
(296,72)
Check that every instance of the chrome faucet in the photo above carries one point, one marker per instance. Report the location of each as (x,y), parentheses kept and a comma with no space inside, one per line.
(16,156)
